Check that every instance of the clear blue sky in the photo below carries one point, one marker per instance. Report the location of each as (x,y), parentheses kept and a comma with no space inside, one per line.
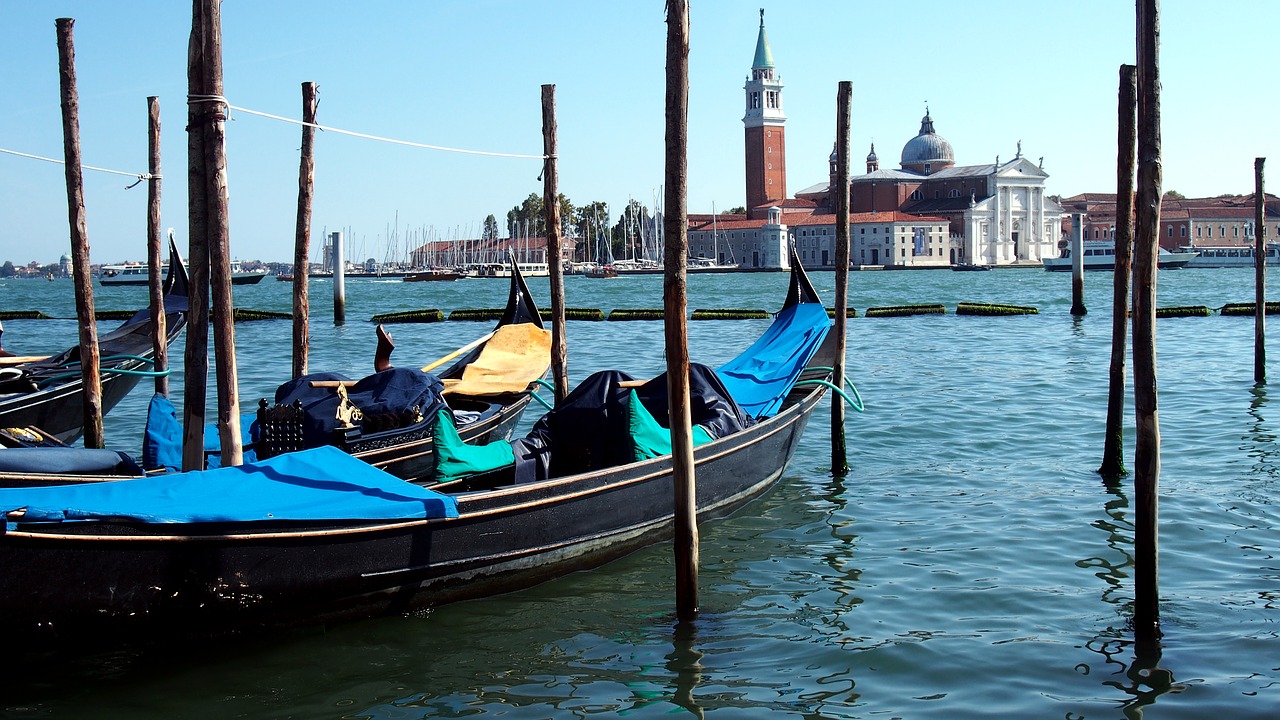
(467,74)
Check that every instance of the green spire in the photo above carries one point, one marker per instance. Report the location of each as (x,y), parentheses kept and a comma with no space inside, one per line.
(764,58)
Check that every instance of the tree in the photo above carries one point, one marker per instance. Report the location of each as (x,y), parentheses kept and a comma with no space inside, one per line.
(1174,195)
(490,229)
(740,210)
(8,270)
(526,218)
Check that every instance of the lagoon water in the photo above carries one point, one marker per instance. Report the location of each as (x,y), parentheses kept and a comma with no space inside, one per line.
(972,563)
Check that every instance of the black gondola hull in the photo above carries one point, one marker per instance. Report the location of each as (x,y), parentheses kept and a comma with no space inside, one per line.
(103,582)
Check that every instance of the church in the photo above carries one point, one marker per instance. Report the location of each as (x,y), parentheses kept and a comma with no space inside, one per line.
(928,213)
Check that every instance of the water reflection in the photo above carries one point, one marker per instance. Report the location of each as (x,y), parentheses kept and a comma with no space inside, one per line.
(1131,660)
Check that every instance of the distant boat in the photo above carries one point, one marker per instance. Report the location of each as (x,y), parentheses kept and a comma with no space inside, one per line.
(601,271)
(1101,255)
(966,267)
(138,274)
(432,275)
(1219,256)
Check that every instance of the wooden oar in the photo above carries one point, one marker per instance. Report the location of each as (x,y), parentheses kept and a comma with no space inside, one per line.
(464,349)
(22,359)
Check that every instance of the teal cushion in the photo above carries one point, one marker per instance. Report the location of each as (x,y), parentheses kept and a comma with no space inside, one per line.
(456,459)
(648,438)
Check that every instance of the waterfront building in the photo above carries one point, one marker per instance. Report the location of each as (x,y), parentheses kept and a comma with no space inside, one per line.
(997,213)
(1227,220)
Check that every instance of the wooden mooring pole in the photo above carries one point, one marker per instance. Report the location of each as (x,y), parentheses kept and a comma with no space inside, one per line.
(1146,620)
(302,234)
(339,278)
(159,331)
(844,98)
(1113,444)
(90,372)
(675,304)
(1077,265)
(1260,275)
(551,212)
(208,176)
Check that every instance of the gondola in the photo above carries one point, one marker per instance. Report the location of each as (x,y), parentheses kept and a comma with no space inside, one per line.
(46,393)
(391,428)
(218,555)
(399,440)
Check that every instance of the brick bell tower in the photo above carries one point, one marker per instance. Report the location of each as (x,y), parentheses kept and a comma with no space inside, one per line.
(766,149)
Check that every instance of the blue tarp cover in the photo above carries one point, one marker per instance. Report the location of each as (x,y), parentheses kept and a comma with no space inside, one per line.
(760,378)
(323,483)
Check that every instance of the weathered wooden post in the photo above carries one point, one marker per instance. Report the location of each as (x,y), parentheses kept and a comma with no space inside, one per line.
(339,279)
(1260,275)
(1146,621)
(90,372)
(674,303)
(1113,444)
(196,353)
(302,235)
(551,211)
(207,126)
(1077,265)
(159,345)
(844,97)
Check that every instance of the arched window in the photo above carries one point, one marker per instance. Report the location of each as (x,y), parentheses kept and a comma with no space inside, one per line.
(917,195)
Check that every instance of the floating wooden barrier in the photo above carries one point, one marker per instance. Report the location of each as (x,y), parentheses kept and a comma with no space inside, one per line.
(476,314)
(1273,308)
(968,308)
(701,314)
(409,316)
(243,315)
(23,315)
(848,312)
(592,314)
(113,314)
(1187,311)
(902,310)
(636,314)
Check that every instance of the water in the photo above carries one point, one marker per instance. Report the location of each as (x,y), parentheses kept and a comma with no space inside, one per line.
(972,564)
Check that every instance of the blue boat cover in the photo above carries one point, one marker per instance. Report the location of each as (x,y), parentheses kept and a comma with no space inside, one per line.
(760,378)
(323,483)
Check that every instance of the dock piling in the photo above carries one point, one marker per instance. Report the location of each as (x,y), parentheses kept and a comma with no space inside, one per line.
(551,209)
(302,234)
(1146,620)
(675,302)
(159,331)
(844,96)
(1260,275)
(90,373)
(1113,443)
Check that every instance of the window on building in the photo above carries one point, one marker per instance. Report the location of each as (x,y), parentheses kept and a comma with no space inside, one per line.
(1235,231)
(1182,232)
(1170,231)
(1198,229)
(917,195)
(1209,231)
(953,193)
(755,101)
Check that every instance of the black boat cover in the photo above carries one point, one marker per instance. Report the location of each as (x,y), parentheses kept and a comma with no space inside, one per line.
(394,391)
(592,428)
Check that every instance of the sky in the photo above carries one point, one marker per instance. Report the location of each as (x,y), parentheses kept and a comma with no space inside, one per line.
(468,74)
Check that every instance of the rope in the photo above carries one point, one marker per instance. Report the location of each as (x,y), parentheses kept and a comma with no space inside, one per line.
(222,100)
(141,177)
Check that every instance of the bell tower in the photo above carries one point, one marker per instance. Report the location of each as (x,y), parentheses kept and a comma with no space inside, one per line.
(766,149)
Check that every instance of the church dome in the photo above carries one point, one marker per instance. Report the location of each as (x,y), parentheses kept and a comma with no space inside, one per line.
(871,156)
(927,151)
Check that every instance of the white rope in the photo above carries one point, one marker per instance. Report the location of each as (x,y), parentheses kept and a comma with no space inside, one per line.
(375,137)
(140,176)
